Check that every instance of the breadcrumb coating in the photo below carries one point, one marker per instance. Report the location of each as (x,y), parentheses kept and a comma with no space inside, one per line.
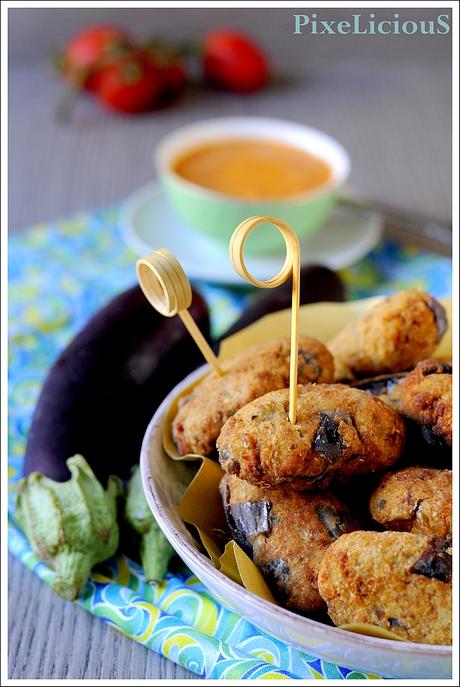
(396,580)
(393,336)
(287,533)
(415,500)
(259,369)
(339,432)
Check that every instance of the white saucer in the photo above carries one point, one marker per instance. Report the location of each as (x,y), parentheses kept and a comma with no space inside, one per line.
(148,222)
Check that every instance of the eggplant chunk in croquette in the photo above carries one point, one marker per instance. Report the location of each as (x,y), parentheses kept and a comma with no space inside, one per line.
(396,580)
(415,500)
(339,432)
(392,336)
(287,533)
(258,370)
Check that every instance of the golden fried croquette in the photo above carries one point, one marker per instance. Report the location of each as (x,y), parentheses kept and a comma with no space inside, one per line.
(339,432)
(259,369)
(286,532)
(425,396)
(415,500)
(393,336)
(396,580)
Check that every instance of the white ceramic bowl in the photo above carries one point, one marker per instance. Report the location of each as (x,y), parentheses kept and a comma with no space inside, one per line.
(164,482)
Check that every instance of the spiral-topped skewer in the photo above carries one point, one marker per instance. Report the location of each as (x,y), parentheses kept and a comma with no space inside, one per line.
(291,267)
(168,290)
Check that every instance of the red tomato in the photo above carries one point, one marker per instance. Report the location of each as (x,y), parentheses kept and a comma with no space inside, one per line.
(233,62)
(90,51)
(132,84)
(173,81)
(166,58)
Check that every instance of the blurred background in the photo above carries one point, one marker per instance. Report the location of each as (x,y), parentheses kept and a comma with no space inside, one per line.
(387,99)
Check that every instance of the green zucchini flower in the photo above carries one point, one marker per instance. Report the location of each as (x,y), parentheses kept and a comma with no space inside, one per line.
(70,525)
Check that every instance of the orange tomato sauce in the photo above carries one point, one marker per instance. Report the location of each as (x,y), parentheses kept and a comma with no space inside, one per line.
(253,169)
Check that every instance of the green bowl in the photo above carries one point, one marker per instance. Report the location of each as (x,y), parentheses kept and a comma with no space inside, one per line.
(217,215)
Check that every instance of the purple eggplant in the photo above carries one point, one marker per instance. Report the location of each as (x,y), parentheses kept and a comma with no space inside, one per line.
(105,386)
(316,284)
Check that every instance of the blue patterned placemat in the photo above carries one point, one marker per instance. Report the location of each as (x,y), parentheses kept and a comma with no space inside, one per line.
(59,275)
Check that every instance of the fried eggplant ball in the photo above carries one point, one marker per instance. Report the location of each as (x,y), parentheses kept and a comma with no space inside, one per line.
(396,580)
(393,336)
(339,432)
(415,500)
(424,399)
(259,369)
(287,533)
(425,396)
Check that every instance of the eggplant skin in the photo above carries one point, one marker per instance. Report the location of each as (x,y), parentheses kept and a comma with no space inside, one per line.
(381,385)
(103,389)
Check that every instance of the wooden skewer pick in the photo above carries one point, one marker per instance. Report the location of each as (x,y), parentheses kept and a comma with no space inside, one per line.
(291,267)
(166,287)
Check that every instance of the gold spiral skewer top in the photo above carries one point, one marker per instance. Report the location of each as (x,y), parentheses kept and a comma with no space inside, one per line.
(167,288)
(291,267)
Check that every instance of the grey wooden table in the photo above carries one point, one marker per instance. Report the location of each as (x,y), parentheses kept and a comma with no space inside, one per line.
(387,99)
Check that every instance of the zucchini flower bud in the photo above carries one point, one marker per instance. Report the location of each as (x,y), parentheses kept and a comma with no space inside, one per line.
(70,525)
(155,550)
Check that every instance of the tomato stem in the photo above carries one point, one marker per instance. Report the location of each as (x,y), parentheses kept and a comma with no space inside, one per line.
(69,95)
(173,50)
